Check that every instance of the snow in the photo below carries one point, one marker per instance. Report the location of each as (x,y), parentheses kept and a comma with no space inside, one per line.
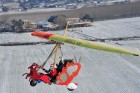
(102,72)
(127,27)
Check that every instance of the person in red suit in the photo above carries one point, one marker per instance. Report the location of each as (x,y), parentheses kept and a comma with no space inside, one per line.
(51,73)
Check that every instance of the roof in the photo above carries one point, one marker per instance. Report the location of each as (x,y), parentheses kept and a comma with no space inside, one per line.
(42,23)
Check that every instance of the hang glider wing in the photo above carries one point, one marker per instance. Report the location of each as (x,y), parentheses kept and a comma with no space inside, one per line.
(84,43)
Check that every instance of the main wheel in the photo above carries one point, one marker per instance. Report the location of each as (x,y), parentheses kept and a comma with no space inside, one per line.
(72,86)
(33,83)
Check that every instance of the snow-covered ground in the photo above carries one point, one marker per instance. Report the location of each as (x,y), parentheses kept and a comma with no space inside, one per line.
(101,72)
(18,37)
(114,28)
(127,27)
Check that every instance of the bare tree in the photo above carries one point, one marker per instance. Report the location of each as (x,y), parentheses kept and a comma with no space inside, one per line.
(61,21)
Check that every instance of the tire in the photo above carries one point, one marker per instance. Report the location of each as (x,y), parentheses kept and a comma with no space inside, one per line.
(33,83)
(70,89)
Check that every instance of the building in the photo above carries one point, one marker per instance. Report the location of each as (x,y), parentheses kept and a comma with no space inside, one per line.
(76,22)
(26,24)
(73,20)
(71,6)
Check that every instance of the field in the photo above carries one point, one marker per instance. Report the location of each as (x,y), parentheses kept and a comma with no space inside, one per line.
(102,72)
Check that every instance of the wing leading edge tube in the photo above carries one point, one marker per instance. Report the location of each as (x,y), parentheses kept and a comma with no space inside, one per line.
(84,43)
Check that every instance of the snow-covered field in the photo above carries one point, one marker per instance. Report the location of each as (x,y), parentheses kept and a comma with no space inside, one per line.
(14,37)
(127,27)
(102,72)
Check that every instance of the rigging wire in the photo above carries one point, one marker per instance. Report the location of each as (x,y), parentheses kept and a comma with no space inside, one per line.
(56,52)
(61,52)
(80,57)
(55,49)
(52,52)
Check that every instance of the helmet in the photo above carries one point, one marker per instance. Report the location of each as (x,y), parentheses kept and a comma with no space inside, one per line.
(51,65)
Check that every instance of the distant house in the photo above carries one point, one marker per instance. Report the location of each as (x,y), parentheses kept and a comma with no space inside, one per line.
(76,22)
(33,25)
(42,24)
(113,2)
(12,6)
(51,6)
(81,24)
(51,27)
(26,24)
(41,5)
(73,20)
(71,6)
(46,26)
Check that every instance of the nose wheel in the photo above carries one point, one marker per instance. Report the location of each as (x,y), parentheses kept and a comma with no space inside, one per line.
(33,83)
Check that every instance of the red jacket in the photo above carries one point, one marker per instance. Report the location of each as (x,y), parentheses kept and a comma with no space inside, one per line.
(53,72)
(46,78)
